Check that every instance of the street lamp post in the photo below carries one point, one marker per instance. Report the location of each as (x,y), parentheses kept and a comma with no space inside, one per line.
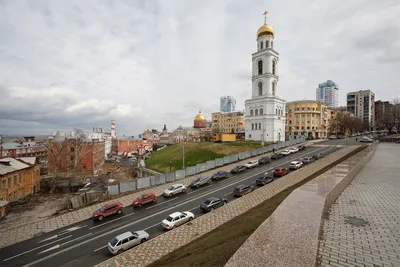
(170,163)
(183,156)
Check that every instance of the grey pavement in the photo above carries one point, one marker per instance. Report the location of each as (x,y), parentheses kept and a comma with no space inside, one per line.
(363,226)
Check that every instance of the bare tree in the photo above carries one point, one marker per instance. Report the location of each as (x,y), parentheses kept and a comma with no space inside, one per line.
(56,148)
(79,146)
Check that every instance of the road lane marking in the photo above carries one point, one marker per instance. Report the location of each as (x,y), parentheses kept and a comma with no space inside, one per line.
(228,194)
(94,227)
(154,225)
(60,245)
(64,232)
(156,205)
(25,252)
(143,219)
(100,248)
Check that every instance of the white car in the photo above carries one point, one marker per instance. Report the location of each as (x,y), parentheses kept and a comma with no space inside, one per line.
(294,165)
(286,152)
(127,240)
(177,218)
(174,189)
(251,164)
(293,150)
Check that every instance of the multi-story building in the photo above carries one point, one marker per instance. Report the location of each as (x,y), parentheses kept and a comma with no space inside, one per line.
(328,92)
(227,104)
(27,147)
(126,145)
(308,118)
(19,177)
(362,105)
(228,122)
(381,108)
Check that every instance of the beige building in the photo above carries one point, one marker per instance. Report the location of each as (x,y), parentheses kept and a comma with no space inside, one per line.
(228,122)
(308,118)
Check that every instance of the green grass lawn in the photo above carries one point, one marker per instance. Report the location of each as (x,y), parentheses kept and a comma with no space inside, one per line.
(195,153)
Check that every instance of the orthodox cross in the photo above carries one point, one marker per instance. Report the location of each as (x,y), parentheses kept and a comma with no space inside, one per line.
(265,16)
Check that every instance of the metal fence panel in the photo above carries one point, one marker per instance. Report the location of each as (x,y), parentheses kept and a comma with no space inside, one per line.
(248,154)
(113,190)
(260,150)
(192,170)
(170,177)
(160,179)
(152,180)
(235,157)
(201,167)
(210,164)
(253,152)
(242,155)
(127,186)
(143,182)
(227,160)
(179,174)
(219,162)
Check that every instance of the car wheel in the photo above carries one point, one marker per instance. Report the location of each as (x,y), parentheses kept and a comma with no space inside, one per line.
(100,218)
(120,211)
(196,186)
(191,218)
(170,195)
(209,182)
(139,206)
(212,209)
(120,251)
(184,190)
(143,240)
(155,200)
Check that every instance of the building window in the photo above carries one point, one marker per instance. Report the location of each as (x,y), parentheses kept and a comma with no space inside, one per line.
(273,88)
(303,116)
(256,112)
(252,126)
(261,111)
(308,127)
(308,108)
(3,184)
(261,45)
(260,67)
(302,108)
(9,182)
(274,67)
(290,122)
(260,88)
(251,112)
(72,149)
(276,111)
(266,44)
(15,180)
(259,126)
(20,178)
(297,109)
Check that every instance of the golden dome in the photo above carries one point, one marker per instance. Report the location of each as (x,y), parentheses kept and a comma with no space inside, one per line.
(199,117)
(265,29)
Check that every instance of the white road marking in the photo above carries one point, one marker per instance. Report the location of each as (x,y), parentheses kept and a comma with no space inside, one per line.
(25,252)
(152,226)
(228,194)
(59,245)
(140,220)
(100,248)
(94,227)
(64,232)
(161,203)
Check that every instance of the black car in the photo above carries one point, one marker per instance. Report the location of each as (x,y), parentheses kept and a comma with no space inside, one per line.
(276,156)
(264,179)
(200,181)
(301,147)
(307,160)
(238,168)
(242,190)
(264,160)
(219,175)
(212,203)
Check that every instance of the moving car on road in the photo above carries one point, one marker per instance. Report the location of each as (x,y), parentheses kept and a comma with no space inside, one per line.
(238,168)
(200,181)
(126,241)
(286,153)
(279,172)
(264,179)
(301,147)
(295,165)
(307,160)
(264,160)
(366,140)
(175,189)
(212,203)
(276,156)
(242,190)
(144,199)
(293,150)
(251,164)
(177,218)
(108,210)
(332,137)
(219,175)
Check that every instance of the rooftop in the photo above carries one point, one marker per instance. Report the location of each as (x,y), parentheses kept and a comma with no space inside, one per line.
(9,165)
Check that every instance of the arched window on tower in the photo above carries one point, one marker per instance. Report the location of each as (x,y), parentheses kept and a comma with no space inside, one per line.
(266,44)
(273,88)
(252,126)
(260,67)
(259,126)
(274,67)
(260,88)
(256,112)
(261,45)
(272,44)
(261,111)
(251,112)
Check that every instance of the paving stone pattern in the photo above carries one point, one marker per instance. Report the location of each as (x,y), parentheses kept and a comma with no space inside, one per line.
(363,227)
(163,244)
(16,235)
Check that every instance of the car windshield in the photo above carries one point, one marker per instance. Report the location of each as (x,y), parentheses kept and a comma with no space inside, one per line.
(171,188)
(207,202)
(103,208)
(114,242)
(140,197)
(195,181)
(169,218)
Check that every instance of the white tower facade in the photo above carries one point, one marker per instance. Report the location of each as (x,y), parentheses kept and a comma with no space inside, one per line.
(265,111)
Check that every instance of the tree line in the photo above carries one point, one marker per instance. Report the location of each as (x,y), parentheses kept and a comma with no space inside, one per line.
(390,120)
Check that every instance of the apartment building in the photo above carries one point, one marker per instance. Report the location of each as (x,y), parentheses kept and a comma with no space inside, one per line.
(228,122)
(362,105)
(328,92)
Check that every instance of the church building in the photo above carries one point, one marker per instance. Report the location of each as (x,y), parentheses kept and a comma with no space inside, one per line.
(265,111)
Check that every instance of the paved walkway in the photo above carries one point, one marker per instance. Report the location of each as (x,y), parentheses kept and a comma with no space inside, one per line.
(363,227)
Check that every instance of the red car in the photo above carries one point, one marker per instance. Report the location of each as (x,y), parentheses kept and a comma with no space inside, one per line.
(107,210)
(279,172)
(144,199)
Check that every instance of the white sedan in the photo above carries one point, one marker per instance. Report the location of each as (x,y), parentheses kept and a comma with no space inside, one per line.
(251,164)
(293,150)
(174,189)
(286,152)
(294,165)
(176,219)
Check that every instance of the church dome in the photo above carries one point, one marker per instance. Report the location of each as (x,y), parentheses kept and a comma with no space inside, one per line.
(200,117)
(265,29)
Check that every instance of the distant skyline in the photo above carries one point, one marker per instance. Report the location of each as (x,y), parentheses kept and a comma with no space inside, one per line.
(80,64)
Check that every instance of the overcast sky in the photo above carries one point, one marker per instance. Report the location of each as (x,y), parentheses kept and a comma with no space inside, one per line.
(78,64)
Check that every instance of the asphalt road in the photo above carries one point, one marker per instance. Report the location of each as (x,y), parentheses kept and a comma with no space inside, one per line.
(85,243)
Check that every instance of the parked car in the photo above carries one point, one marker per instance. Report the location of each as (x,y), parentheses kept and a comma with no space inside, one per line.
(126,241)
(301,147)
(251,164)
(332,137)
(279,172)
(307,160)
(264,179)
(317,156)
(219,175)
(238,168)
(177,218)
(108,210)
(310,137)
(175,189)
(286,153)
(277,156)
(294,165)
(264,160)
(200,181)
(341,137)
(212,203)
(144,199)
(293,150)
(242,190)
(366,140)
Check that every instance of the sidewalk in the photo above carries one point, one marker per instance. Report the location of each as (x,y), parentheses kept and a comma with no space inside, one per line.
(363,226)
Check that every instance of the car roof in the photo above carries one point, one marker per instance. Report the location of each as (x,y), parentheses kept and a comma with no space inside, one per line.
(148,193)
(295,162)
(279,168)
(175,185)
(112,204)
(124,235)
(241,186)
(175,214)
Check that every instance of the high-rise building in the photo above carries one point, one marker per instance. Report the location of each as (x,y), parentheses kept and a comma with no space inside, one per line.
(265,111)
(227,104)
(362,105)
(328,92)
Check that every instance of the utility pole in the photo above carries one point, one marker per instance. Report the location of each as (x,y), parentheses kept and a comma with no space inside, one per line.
(183,156)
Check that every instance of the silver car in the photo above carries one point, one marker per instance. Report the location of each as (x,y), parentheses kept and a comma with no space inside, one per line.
(174,189)
(127,240)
